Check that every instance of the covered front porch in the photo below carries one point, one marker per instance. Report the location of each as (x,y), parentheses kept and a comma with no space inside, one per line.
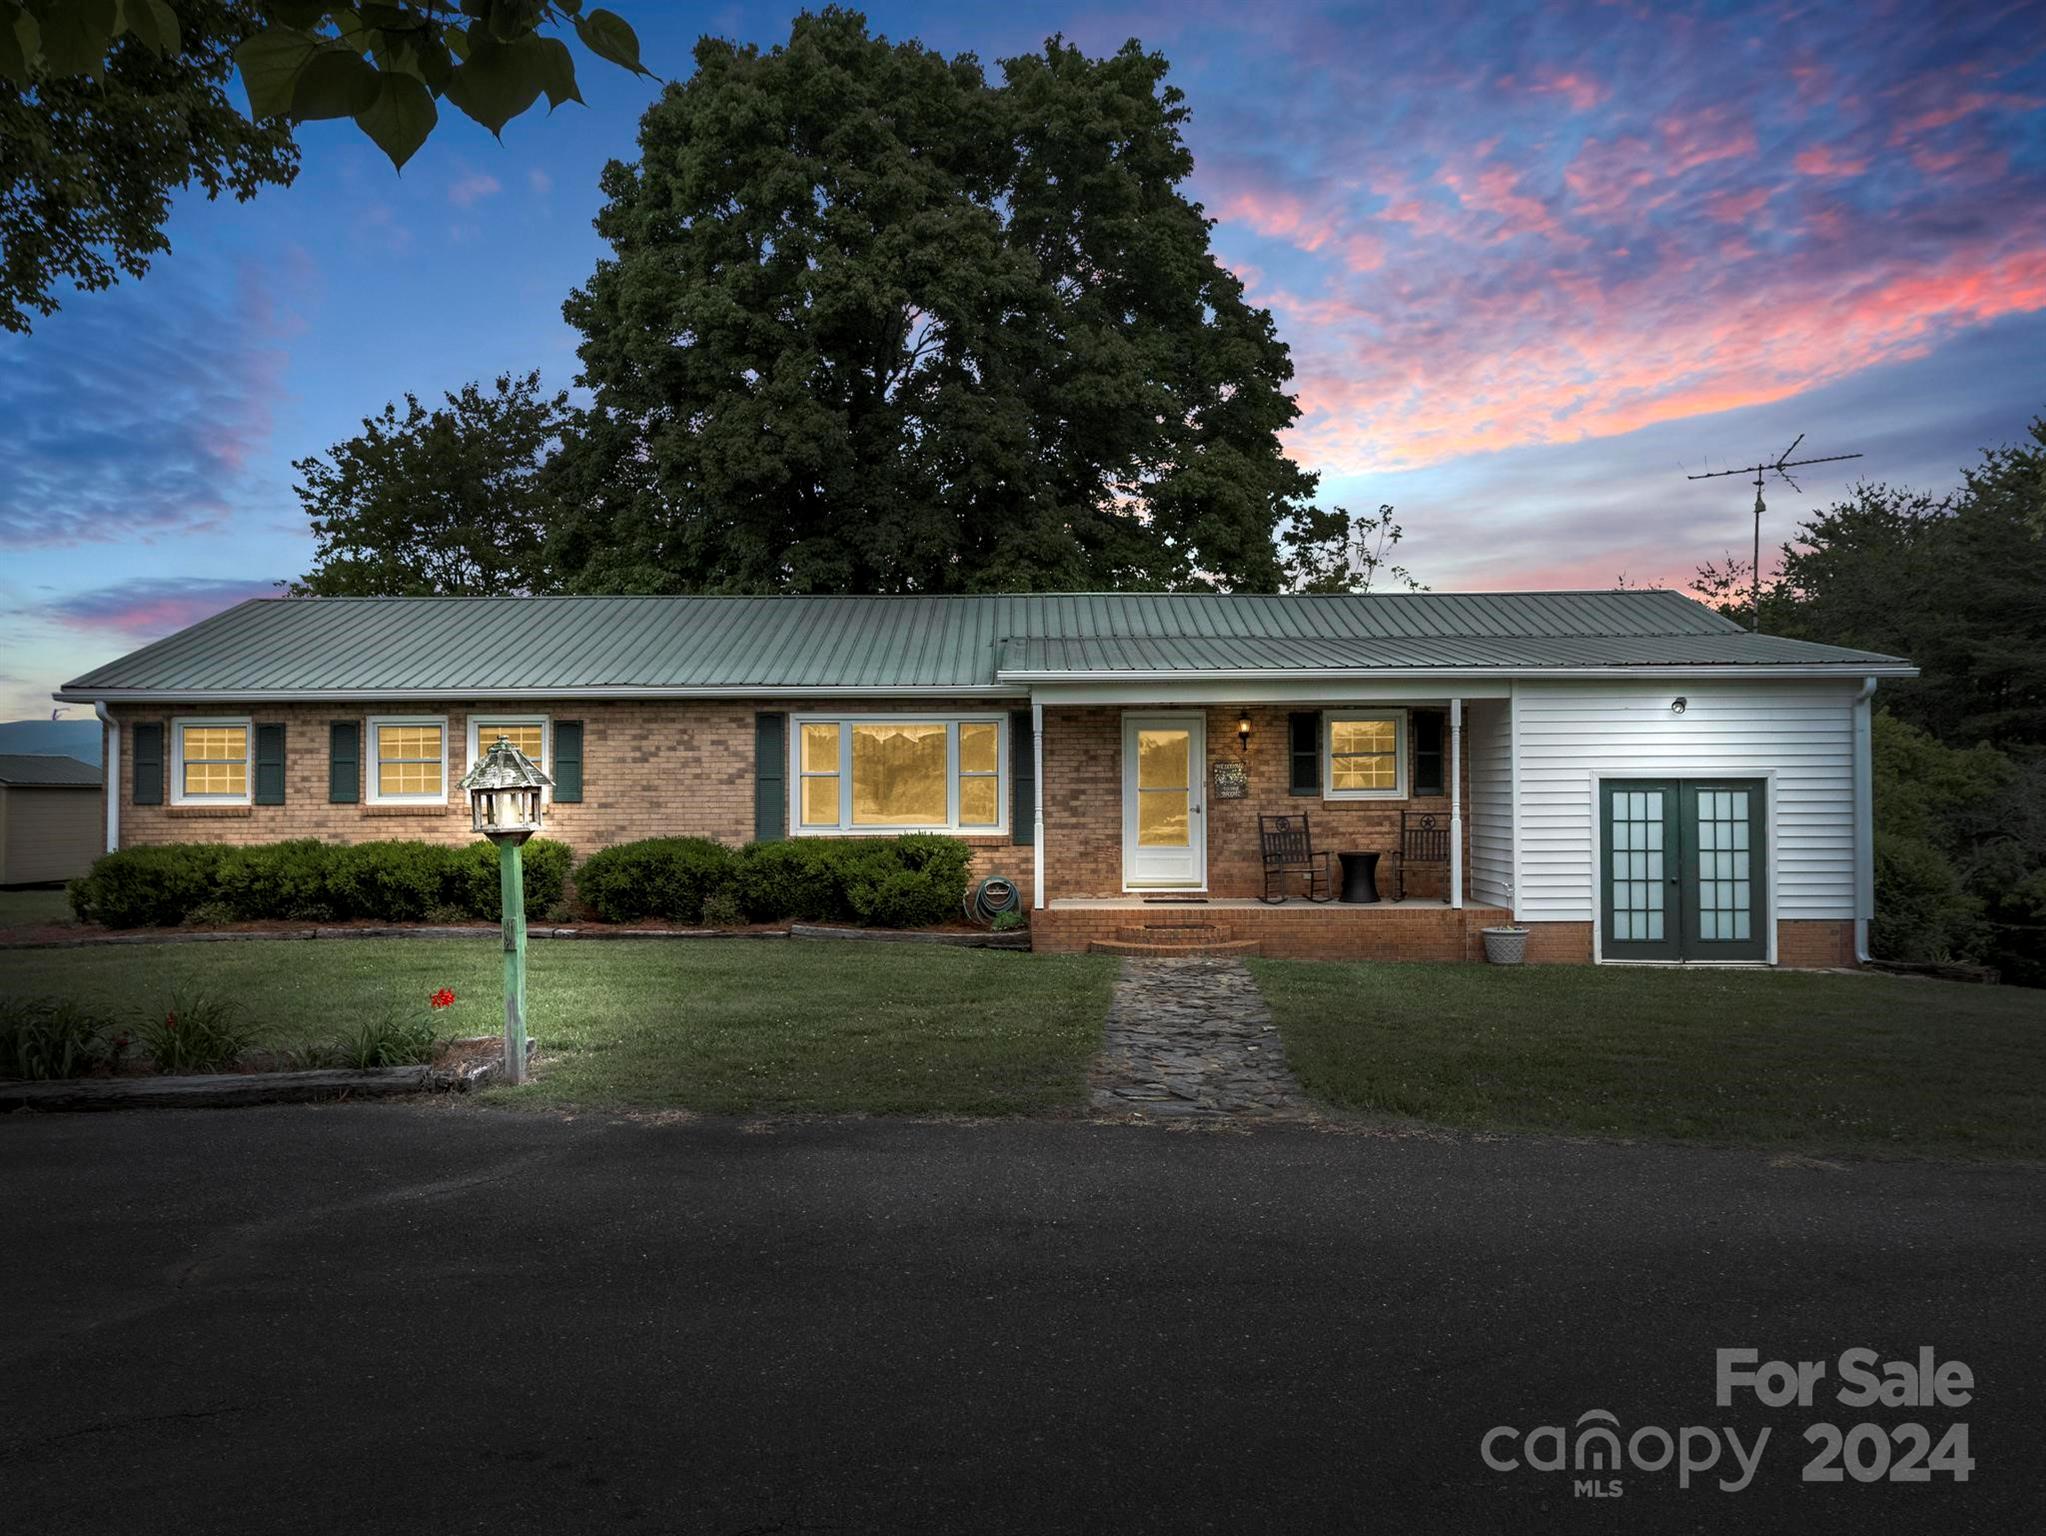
(1164,817)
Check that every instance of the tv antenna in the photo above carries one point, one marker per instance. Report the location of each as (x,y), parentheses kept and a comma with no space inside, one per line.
(1782,465)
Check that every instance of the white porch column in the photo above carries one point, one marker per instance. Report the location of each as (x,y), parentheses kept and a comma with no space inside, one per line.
(1456,803)
(1037,810)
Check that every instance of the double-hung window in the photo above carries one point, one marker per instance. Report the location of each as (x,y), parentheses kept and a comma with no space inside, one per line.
(408,760)
(889,773)
(529,733)
(1365,754)
(212,762)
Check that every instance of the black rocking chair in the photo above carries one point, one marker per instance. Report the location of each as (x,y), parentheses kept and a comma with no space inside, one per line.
(1424,839)
(1289,850)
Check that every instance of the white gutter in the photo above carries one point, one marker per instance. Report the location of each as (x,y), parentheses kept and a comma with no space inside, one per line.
(1422,674)
(1864,818)
(570,691)
(1037,779)
(110,773)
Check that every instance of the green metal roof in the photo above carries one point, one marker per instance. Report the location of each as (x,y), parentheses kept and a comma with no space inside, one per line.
(385,646)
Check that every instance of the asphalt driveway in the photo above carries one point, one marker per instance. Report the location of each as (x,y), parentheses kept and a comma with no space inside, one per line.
(402,1318)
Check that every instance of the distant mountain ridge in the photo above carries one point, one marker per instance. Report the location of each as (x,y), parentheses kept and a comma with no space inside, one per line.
(61,738)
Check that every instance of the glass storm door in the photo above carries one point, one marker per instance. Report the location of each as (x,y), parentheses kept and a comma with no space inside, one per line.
(1681,872)
(1164,843)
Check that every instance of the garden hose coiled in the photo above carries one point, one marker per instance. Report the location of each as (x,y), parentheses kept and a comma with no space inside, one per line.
(991,898)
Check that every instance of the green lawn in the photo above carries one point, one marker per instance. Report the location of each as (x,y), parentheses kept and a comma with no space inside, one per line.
(1812,1062)
(715,1025)
(27,909)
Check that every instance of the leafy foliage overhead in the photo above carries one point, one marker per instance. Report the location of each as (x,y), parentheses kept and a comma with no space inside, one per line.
(94,137)
(445,500)
(874,323)
(109,106)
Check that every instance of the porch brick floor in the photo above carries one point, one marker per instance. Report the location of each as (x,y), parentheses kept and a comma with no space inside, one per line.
(1192,1039)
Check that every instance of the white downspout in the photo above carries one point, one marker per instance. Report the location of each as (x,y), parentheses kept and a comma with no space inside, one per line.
(1037,780)
(1864,818)
(1456,803)
(110,773)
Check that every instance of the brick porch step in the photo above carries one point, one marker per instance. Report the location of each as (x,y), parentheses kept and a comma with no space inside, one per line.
(1161,947)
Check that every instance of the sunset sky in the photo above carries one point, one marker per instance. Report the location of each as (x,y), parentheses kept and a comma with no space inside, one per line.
(1535,265)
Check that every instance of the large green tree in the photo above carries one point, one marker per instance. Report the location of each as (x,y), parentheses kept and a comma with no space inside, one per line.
(443,500)
(1956,582)
(875,323)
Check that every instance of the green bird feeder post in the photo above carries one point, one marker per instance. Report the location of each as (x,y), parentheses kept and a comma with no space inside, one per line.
(505,794)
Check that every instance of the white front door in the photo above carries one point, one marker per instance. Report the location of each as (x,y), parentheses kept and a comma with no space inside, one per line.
(1164,825)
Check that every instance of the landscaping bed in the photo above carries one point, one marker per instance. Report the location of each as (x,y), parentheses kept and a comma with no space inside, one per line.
(721,1025)
(1816,1062)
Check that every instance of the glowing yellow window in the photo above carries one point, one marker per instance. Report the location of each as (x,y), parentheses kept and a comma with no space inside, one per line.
(898,774)
(819,769)
(410,761)
(529,736)
(215,759)
(980,795)
(1363,755)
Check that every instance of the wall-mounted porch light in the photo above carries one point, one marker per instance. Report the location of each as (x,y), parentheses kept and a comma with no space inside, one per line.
(1243,731)
(1679,704)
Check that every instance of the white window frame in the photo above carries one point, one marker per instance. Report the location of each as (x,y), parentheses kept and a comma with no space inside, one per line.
(373,760)
(845,723)
(176,765)
(546,724)
(1398,717)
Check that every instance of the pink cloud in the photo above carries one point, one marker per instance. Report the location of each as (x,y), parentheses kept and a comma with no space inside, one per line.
(1580,90)
(1824,160)
(1737,207)
(150,607)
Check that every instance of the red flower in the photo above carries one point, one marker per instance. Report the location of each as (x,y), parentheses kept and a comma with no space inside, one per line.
(444,998)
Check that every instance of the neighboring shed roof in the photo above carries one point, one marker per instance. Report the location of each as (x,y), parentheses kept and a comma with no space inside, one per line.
(340,647)
(26,770)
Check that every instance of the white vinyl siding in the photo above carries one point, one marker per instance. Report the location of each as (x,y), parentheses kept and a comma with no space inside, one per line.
(1488,746)
(1802,734)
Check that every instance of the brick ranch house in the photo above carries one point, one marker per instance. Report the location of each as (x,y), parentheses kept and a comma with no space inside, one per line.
(1627,773)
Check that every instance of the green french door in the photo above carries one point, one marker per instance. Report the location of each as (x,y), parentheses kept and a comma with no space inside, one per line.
(1681,872)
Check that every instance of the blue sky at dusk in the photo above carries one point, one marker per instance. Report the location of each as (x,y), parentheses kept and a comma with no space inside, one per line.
(1534,265)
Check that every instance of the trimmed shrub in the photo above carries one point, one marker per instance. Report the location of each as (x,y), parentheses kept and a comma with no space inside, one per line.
(396,882)
(658,877)
(148,887)
(277,880)
(306,880)
(721,909)
(793,879)
(896,882)
(471,885)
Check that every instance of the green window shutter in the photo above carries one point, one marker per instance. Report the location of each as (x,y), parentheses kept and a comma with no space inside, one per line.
(770,777)
(1303,733)
(1022,779)
(269,765)
(1428,762)
(344,762)
(148,789)
(568,762)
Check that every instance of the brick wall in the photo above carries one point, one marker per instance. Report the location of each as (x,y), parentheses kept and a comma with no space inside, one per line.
(1800,943)
(1330,932)
(651,768)
(1083,806)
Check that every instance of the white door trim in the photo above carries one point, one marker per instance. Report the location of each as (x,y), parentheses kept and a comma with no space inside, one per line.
(1597,778)
(1195,722)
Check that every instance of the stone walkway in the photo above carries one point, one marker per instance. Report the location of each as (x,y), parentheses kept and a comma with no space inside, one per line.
(1192,1039)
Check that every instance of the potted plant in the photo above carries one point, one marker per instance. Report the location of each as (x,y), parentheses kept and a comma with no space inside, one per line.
(1505,945)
